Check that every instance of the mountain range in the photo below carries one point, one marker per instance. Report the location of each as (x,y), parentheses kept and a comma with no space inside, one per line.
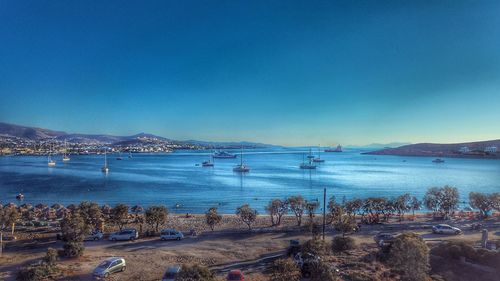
(35,134)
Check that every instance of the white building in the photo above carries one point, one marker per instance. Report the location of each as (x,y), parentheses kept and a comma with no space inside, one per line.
(491,149)
(464,149)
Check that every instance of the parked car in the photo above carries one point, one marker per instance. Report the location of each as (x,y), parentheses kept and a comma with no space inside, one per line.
(235,275)
(125,234)
(94,236)
(109,266)
(446,229)
(171,234)
(384,238)
(171,273)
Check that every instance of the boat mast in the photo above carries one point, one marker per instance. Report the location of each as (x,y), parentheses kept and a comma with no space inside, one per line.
(241,156)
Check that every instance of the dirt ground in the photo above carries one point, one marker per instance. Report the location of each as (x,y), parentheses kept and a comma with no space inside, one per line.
(147,258)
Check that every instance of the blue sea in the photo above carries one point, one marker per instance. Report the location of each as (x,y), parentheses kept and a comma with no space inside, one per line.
(178,179)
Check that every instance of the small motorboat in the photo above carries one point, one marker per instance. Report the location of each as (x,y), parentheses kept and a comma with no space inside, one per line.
(207,164)
(20,196)
(438,160)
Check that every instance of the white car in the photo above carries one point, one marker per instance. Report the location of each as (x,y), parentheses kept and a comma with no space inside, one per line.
(97,235)
(171,234)
(446,229)
(125,234)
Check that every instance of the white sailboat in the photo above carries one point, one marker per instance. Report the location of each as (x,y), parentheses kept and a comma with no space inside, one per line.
(50,162)
(105,168)
(241,168)
(65,155)
(318,159)
(119,155)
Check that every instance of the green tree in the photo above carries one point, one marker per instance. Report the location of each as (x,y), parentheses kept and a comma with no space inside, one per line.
(481,201)
(415,204)
(156,216)
(442,200)
(8,217)
(297,205)
(345,224)
(402,204)
(212,218)
(285,270)
(335,210)
(247,214)
(277,208)
(410,257)
(91,214)
(353,207)
(195,272)
(119,215)
(74,229)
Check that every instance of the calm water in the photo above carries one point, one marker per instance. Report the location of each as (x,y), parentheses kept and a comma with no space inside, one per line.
(174,178)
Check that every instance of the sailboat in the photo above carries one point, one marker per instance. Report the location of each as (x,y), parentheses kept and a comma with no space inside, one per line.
(208,163)
(50,162)
(307,165)
(310,156)
(241,168)
(130,155)
(318,159)
(105,168)
(65,155)
(119,155)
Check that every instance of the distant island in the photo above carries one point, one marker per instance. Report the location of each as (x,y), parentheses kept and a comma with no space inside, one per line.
(23,140)
(479,149)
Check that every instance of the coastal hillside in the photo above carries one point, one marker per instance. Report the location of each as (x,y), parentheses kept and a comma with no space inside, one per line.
(479,149)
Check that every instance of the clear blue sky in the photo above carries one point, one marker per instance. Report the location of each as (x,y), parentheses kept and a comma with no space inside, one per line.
(283,72)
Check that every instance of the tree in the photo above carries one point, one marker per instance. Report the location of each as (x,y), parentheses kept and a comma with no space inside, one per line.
(402,204)
(195,272)
(91,214)
(495,199)
(212,217)
(345,224)
(352,207)
(481,201)
(415,204)
(335,210)
(74,229)
(277,208)
(311,207)
(8,217)
(156,216)
(285,270)
(297,205)
(119,215)
(441,200)
(373,207)
(410,256)
(247,214)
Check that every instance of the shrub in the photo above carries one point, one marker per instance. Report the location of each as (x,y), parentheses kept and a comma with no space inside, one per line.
(285,270)
(195,272)
(51,257)
(34,273)
(316,247)
(357,276)
(247,215)
(322,271)
(212,218)
(410,257)
(73,249)
(342,244)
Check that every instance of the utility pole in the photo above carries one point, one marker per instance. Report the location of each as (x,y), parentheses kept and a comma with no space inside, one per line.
(324,212)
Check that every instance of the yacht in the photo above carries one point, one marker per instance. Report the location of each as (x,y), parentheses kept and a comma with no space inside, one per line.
(224,155)
(318,159)
(241,168)
(130,155)
(307,165)
(119,156)
(20,196)
(105,168)
(438,160)
(65,155)
(338,149)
